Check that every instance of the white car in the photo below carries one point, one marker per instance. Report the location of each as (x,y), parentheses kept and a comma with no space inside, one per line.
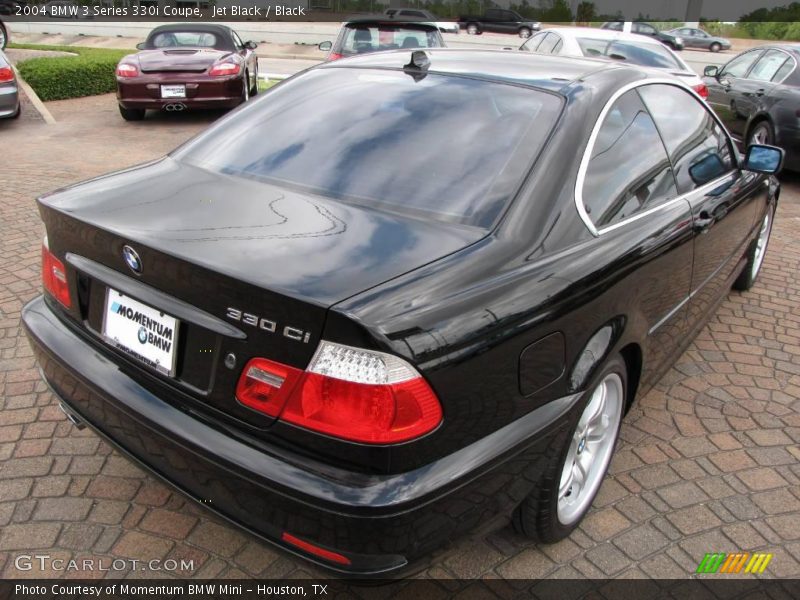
(416,14)
(615,45)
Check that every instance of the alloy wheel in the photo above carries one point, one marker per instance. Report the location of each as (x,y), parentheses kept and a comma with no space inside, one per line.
(590,449)
(760,135)
(472,29)
(761,243)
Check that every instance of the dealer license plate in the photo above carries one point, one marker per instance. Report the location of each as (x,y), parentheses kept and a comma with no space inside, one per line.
(141,331)
(173,91)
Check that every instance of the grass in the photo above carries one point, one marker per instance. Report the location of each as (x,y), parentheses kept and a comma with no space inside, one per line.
(265,85)
(89,73)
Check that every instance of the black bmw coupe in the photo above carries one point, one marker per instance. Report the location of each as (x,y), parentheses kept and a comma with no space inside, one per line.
(400,295)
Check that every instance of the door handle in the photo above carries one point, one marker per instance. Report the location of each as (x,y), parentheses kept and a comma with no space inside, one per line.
(760,92)
(703,222)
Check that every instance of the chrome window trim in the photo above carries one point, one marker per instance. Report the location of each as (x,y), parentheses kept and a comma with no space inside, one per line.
(779,68)
(587,153)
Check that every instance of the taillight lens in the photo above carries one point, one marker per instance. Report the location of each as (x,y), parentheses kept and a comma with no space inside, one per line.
(224,68)
(127,70)
(6,74)
(701,89)
(54,276)
(349,393)
(265,385)
(335,56)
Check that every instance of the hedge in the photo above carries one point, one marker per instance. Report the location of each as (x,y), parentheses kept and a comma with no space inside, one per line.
(89,73)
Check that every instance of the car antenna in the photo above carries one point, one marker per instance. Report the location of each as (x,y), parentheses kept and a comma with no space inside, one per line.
(418,66)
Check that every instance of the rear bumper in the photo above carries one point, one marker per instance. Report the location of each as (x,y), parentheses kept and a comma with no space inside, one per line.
(383,524)
(145,92)
(9,100)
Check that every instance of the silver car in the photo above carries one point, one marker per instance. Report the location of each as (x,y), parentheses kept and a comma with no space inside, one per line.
(9,93)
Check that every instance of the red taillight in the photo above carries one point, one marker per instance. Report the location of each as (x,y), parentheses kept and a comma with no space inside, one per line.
(315,550)
(265,385)
(6,74)
(335,56)
(54,277)
(701,89)
(349,393)
(225,68)
(127,70)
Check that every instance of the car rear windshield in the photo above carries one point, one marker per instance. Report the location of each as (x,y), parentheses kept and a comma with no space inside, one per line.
(646,55)
(183,39)
(373,38)
(436,146)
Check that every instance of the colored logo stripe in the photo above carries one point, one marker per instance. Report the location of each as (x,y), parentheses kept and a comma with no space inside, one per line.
(723,562)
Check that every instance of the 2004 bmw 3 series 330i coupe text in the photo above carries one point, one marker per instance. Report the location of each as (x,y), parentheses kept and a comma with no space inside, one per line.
(401,295)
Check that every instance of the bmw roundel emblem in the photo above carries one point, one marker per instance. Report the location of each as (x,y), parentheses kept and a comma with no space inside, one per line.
(132,259)
(142,335)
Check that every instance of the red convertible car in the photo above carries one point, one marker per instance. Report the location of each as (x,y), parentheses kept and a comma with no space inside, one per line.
(183,66)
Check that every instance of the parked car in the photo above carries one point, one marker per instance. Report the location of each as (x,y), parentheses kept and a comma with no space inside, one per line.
(367,34)
(615,45)
(3,36)
(757,94)
(9,92)
(417,14)
(673,41)
(499,20)
(350,349)
(184,66)
(697,38)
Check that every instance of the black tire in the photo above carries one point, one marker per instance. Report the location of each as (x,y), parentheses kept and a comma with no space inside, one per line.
(761,133)
(537,516)
(245,88)
(254,89)
(131,114)
(752,268)
(524,32)
(715,47)
(3,36)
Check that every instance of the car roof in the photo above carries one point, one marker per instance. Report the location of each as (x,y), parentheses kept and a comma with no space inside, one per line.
(604,34)
(204,27)
(542,71)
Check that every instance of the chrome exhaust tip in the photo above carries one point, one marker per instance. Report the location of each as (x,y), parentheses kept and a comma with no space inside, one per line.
(175,107)
(71,416)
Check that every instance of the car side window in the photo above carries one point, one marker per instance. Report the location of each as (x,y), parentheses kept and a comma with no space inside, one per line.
(768,65)
(739,66)
(548,44)
(644,28)
(699,148)
(699,33)
(784,71)
(533,44)
(237,41)
(628,171)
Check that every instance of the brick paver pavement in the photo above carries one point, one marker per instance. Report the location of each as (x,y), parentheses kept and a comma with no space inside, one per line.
(708,459)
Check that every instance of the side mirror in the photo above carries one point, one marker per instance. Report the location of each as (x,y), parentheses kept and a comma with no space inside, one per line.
(250,45)
(764,159)
(140,46)
(325,46)
(711,71)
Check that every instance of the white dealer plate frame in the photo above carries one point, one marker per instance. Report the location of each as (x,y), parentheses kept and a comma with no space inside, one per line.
(173,91)
(131,344)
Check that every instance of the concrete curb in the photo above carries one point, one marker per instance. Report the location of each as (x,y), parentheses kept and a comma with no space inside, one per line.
(34,98)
